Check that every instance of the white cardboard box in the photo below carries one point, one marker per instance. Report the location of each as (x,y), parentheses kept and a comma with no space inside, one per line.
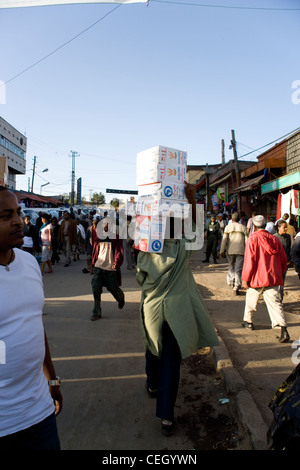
(161,172)
(161,154)
(149,233)
(161,164)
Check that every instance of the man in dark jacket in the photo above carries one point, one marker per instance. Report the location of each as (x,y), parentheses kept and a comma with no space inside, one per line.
(213,238)
(295,253)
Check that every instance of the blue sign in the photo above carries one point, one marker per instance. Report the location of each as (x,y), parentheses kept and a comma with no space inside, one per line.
(168,191)
(156,245)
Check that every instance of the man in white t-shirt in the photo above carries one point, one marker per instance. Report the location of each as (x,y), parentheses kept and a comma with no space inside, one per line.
(28,404)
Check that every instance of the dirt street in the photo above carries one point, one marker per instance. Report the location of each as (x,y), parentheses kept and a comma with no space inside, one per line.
(101,365)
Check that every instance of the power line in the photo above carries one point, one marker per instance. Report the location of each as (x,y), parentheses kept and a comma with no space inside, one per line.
(225,6)
(270,143)
(62,45)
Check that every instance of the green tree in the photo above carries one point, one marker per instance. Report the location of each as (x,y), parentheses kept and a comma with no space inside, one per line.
(98,198)
(115,202)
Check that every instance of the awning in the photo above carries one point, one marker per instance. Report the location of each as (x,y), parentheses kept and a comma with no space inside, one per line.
(282,182)
(220,180)
(200,183)
(248,185)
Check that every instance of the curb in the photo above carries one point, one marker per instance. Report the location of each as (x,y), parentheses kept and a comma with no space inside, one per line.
(247,412)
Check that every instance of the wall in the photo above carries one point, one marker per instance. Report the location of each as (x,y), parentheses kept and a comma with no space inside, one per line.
(293,153)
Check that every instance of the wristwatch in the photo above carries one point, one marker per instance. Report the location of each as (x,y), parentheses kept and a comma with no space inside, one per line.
(54,383)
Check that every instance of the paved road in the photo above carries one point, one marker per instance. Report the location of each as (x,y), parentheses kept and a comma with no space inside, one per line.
(101,364)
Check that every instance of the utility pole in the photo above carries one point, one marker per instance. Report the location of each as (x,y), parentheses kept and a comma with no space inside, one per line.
(223,152)
(236,165)
(33,172)
(74,155)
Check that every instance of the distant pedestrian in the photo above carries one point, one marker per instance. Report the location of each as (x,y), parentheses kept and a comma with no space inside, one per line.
(106,265)
(89,242)
(285,240)
(264,264)
(233,243)
(67,237)
(128,246)
(295,253)
(250,226)
(54,241)
(270,227)
(45,238)
(31,239)
(213,236)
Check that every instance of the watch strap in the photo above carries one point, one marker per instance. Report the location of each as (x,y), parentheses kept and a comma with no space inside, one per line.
(54,383)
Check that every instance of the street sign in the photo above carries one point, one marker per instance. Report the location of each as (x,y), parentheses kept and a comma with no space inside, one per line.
(121,191)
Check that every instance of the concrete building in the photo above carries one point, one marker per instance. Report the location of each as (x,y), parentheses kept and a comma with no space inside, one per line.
(13,146)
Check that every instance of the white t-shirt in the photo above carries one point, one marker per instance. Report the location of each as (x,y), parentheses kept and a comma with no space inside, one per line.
(24,393)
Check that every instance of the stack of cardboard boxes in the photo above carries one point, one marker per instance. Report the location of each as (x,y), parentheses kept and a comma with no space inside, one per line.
(161,172)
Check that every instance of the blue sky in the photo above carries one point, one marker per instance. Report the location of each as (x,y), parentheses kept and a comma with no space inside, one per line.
(171,74)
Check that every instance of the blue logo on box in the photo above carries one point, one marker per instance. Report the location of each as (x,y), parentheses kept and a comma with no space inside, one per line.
(156,245)
(168,191)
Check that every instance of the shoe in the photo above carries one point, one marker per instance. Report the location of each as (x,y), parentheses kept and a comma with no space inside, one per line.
(246,324)
(85,270)
(236,291)
(151,393)
(121,304)
(205,261)
(168,427)
(284,338)
(215,261)
(95,317)
(66,265)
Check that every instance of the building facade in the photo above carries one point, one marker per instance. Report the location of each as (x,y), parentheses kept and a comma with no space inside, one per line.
(13,146)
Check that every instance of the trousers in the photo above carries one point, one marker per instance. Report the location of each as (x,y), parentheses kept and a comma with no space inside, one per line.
(273,302)
(235,268)
(41,436)
(103,278)
(163,374)
(212,247)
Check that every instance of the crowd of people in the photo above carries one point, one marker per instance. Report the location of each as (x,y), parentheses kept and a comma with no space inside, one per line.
(173,316)
(259,254)
(68,234)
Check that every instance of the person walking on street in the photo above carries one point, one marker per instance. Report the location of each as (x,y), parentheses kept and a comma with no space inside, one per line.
(250,226)
(264,264)
(54,241)
(233,243)
(45,238)
(28,403)
(31,239)
(213,237)
(106,265)
(128,246)
(89,243)
(173,316)
(285,240)
(270,227)
(295,253)
(67,237)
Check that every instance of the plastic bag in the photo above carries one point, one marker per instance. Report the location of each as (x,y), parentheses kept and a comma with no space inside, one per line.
(285,405)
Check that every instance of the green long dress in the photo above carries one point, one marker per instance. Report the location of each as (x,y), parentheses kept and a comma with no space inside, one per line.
(169,292)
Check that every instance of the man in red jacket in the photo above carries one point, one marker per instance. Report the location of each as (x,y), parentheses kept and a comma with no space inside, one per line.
(264,264)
